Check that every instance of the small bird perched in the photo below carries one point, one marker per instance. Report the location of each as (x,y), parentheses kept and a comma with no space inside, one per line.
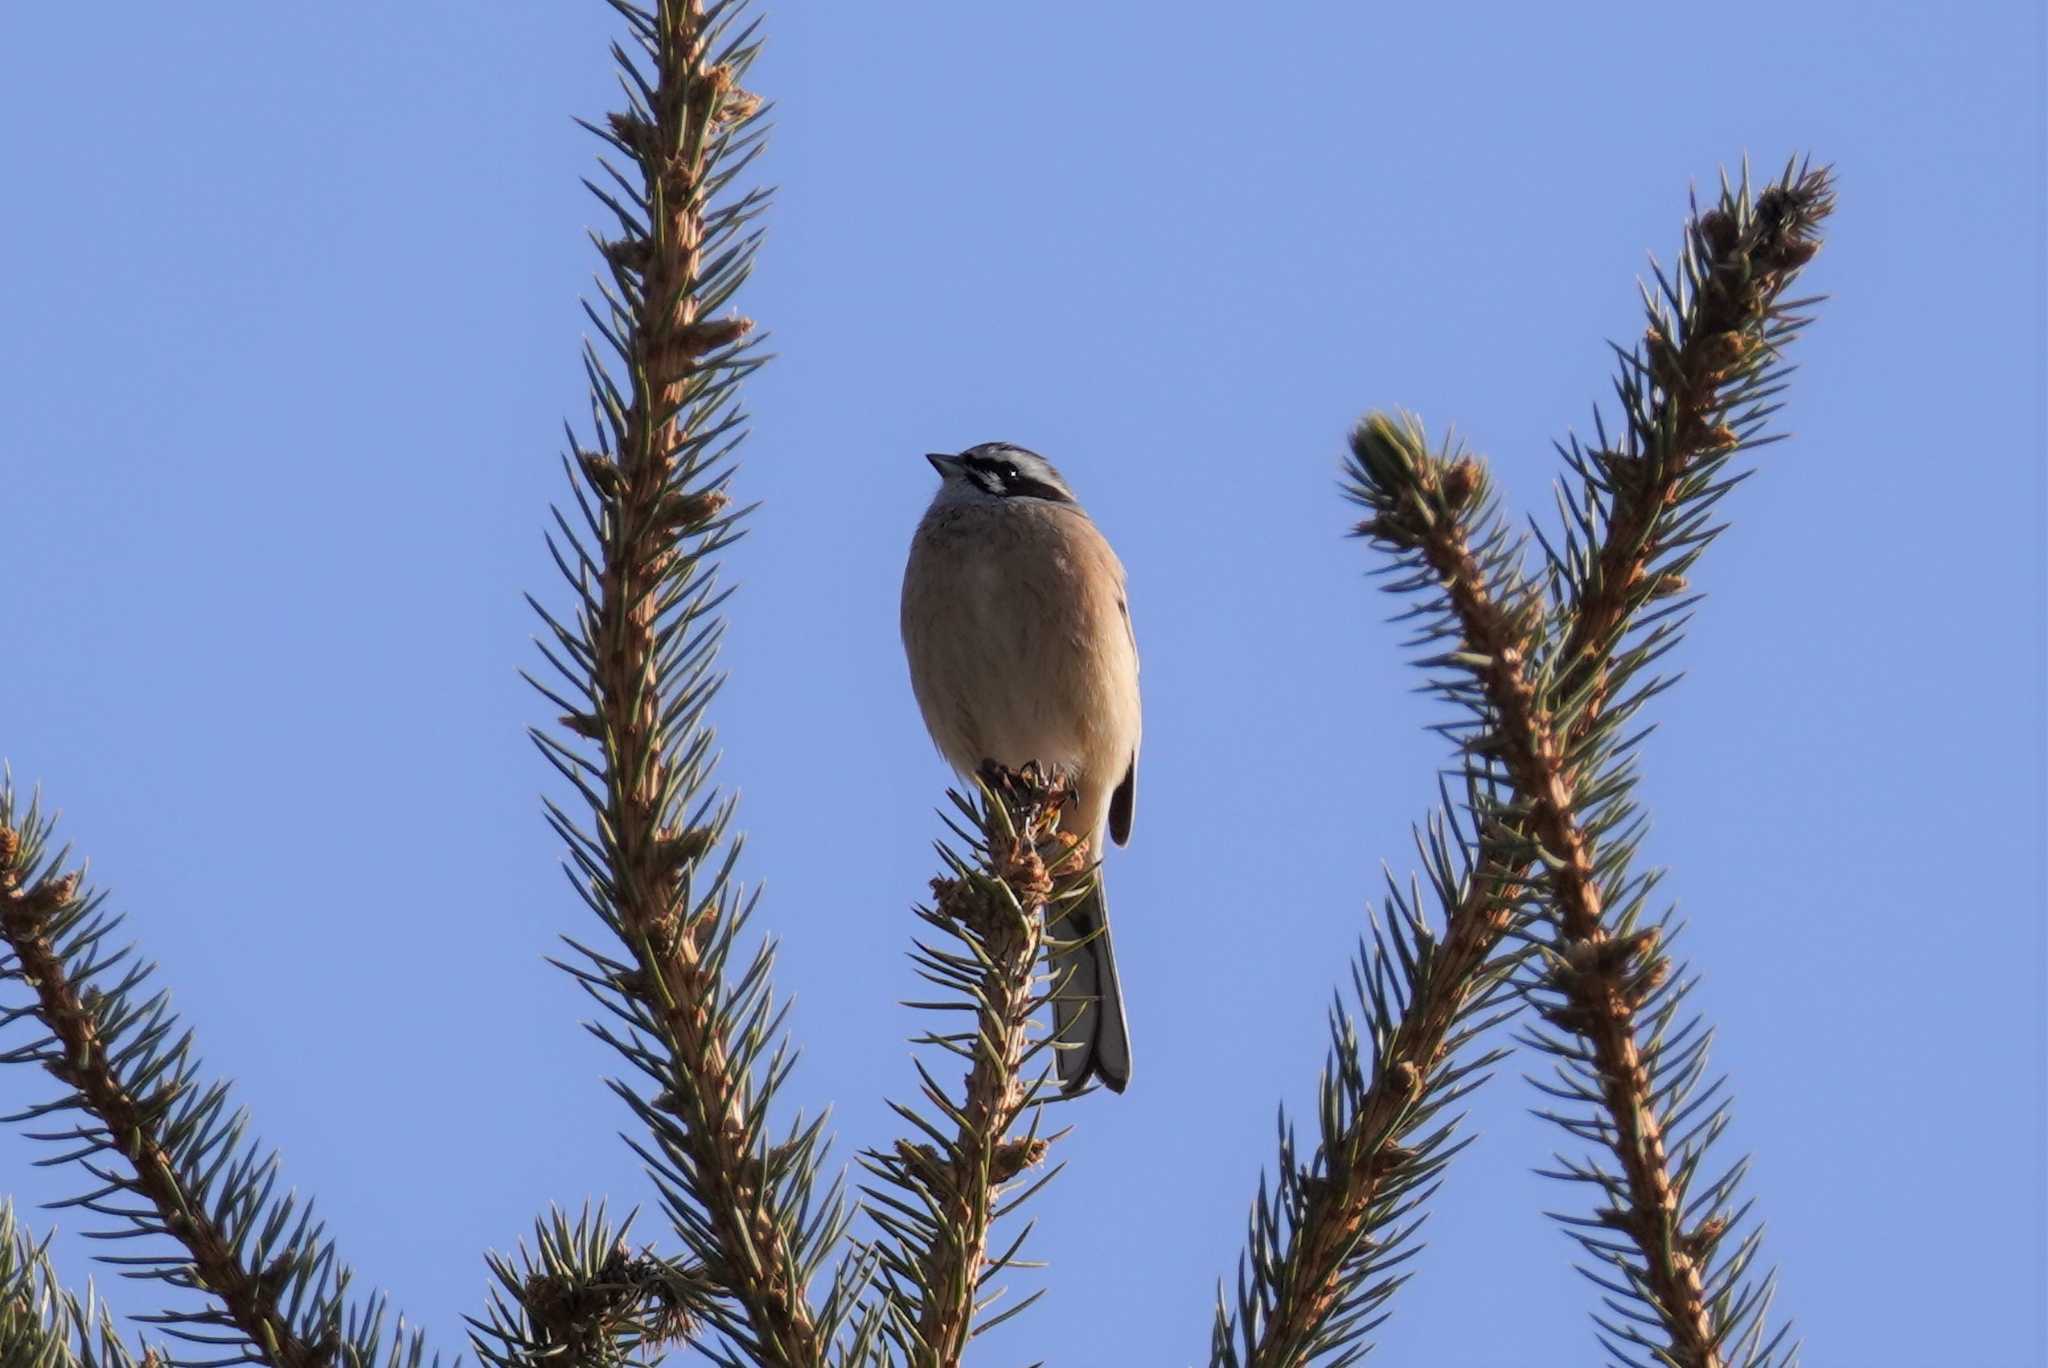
(1020,646)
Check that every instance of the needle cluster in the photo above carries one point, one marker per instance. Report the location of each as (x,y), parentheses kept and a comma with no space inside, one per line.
(582,1294)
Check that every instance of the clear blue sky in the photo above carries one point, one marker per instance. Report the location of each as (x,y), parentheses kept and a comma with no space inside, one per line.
(290,323)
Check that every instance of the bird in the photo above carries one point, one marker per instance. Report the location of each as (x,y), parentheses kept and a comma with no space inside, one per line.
(1017,630)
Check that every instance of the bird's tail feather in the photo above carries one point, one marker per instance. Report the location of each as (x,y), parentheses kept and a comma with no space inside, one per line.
(1088,1005)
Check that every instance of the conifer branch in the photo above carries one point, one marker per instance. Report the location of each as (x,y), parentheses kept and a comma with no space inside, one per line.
(1324,1245)
(1698,390)
(44,1326)
(581,1295)
(1000,906)
(634,677)
(79,1061)
(166,1157)
(1605,979)
(1545,719)
(1536,674)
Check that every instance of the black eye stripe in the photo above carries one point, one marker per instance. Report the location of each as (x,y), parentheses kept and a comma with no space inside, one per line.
(1006,478)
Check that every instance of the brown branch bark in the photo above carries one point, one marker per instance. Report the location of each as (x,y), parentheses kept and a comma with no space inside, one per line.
(1337,1213)
(1610,978)
(642,543)
(965,1182)
(82,1065)
(1743,277)
(1472,933)
(1744,274)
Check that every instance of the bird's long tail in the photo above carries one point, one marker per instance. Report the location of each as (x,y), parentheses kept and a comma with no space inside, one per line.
(1087,1005)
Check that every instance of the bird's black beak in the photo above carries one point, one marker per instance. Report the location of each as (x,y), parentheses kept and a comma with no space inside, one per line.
(944,464)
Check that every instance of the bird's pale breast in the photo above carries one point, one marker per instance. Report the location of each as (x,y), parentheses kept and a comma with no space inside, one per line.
(1020,645)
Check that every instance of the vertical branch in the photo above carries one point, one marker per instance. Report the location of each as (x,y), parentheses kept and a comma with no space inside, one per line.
(634,675)
(998,908)
(1699,389)
(1608,979)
